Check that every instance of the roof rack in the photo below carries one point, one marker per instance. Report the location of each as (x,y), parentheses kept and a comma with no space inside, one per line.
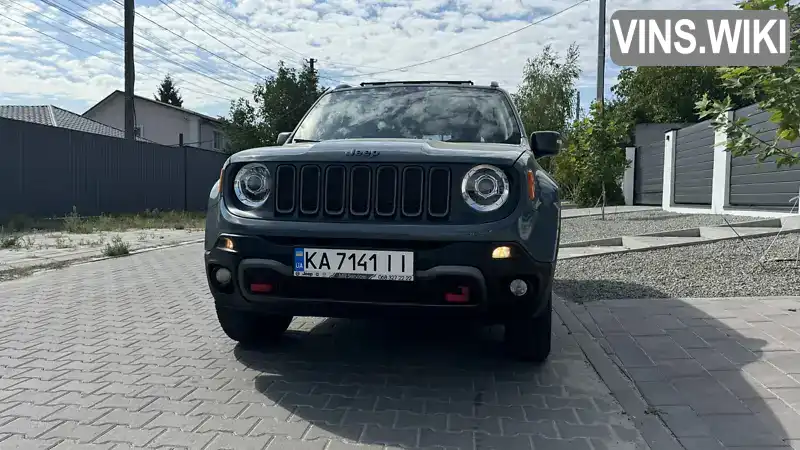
(342,86)
(383,83)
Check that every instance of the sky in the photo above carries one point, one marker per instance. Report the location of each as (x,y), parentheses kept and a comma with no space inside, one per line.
(69,53)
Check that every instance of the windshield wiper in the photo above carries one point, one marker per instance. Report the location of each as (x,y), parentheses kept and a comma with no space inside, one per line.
(304,140)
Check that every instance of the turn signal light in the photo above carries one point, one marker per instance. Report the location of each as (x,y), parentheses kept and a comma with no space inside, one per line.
(531,185)
(226,243)
(219,188)
(501,253)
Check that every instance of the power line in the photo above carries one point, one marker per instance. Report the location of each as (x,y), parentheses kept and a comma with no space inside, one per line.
(439,58)
(82,50)
(193,43)
(256,32)
(156,42)
(261,49)
(139,46)
(216,38)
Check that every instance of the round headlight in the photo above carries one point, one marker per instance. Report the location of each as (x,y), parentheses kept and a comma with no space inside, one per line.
(253,184)
(485,188)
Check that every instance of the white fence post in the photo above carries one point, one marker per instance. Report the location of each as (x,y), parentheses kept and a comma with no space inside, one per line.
(721,178)
(669,169)
(627,178)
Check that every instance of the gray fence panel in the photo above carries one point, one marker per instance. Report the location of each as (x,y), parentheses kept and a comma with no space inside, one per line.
(763,185)
(46,171)
(694,164)
(203,168)
(648,173)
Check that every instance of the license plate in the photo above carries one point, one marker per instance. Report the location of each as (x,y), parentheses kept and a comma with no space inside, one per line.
(359,264)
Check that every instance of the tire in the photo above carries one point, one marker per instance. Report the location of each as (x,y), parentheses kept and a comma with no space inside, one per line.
(249,328)
(529,338)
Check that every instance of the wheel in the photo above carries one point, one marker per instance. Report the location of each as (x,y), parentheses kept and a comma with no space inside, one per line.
(529,338)
(249,328)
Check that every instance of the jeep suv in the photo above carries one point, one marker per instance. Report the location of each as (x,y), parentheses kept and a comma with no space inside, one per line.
(401,199)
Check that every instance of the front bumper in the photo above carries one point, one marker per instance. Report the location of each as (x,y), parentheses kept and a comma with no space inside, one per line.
(441,268)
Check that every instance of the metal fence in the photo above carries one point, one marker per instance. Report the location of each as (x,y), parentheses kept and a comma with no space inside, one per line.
(47,171)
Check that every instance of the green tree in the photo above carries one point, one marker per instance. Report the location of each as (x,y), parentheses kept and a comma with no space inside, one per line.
(593,162)
(665,94)
(278,105)
(169,93)
(776,89)
(547,95)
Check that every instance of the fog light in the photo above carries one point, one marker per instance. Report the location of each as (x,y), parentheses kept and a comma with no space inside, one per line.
(501,253)
(518,287)
(223,276)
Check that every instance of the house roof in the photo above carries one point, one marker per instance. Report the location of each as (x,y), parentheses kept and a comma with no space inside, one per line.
(184,110)
(57,117)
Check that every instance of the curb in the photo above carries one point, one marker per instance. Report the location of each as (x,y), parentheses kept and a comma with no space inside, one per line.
(654,431)
(93,259)
(686,232)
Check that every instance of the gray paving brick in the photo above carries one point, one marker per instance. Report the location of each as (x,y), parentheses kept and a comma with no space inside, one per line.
(376,434)
(268,427)
(134,436)
(77,431)
(233,442)
(30,428)
(281,443)
(75,445)
(142,362)
(22,443)
(176,438)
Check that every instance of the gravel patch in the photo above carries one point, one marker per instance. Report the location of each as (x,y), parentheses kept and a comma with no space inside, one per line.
(720,269)
(575,229)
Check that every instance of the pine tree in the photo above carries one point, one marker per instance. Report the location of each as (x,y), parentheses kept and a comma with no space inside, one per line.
(169,93)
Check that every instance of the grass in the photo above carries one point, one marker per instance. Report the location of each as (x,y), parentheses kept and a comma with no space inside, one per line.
(117,247)
(77,224)
(19,272)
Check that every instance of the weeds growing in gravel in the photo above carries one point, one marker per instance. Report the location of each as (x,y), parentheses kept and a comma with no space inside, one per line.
(117,247)
(9,241)
(78,224)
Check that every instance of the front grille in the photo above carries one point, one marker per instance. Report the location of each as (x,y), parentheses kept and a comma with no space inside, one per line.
(362,192)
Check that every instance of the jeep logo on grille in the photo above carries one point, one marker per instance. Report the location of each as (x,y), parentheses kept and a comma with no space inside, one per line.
(367,153)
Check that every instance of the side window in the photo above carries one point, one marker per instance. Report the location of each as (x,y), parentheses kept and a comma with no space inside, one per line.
(218,140)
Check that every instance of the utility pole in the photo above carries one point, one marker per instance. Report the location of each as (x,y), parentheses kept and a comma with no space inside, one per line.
(601,55)
(601,82)
(130,119)
(311,62)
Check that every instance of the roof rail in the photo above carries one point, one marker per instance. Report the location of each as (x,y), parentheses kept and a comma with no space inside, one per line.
(383,83)
(494,84)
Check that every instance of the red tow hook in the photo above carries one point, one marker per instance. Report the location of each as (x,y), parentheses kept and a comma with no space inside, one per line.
(461,297)
(260,288)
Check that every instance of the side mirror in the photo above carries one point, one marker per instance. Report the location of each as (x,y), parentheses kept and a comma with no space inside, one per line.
(282,137)
(545,143)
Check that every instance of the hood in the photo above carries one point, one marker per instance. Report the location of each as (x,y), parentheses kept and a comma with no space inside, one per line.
(385,151)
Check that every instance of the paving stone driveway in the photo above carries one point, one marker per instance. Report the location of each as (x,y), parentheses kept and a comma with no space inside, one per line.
(722,373)
(127,353)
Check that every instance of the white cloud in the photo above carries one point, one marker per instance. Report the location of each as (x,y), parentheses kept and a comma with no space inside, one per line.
(347,37)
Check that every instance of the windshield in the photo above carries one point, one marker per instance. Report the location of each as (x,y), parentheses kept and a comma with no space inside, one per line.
(443,113)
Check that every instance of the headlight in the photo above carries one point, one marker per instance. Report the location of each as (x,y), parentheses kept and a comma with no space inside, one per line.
(485,188)
(253,184)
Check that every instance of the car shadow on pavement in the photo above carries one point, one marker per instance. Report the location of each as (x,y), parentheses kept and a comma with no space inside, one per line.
(418,384)
(717,371)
